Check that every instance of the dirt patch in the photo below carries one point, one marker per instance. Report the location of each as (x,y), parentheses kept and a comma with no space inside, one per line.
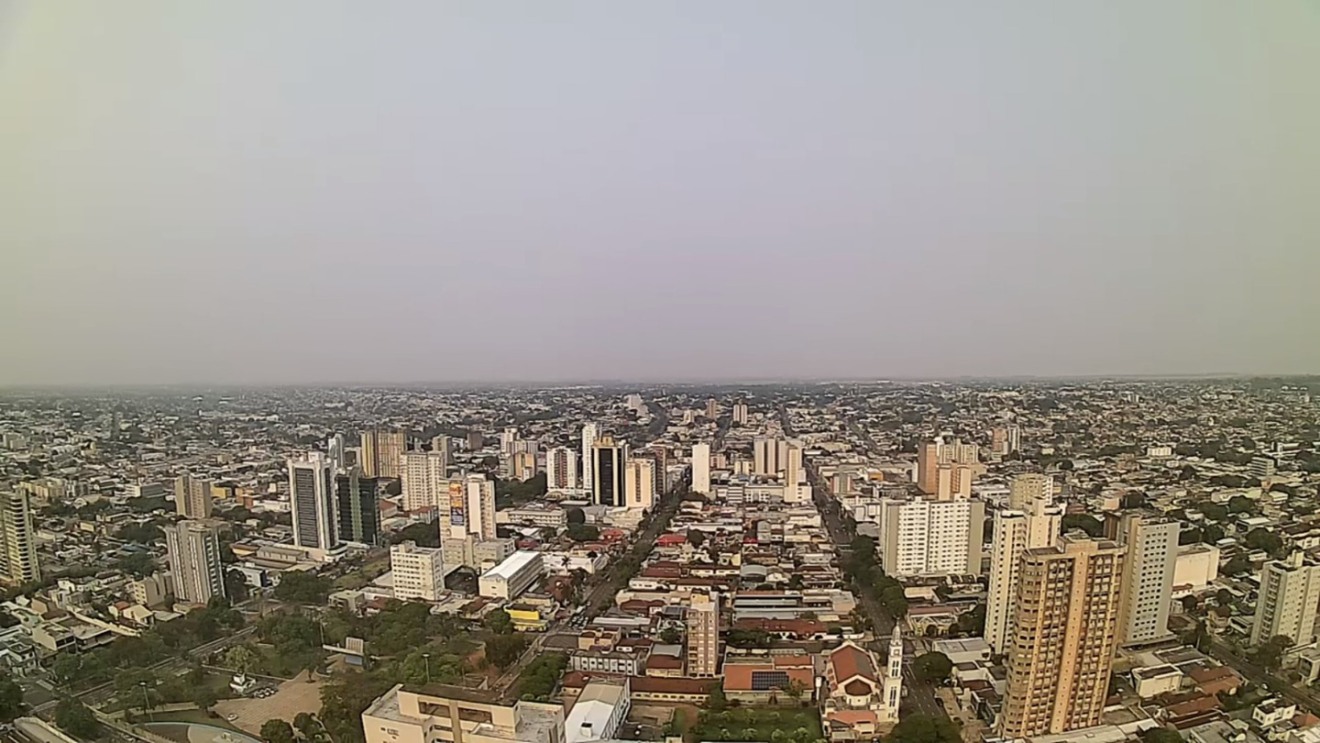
(292,697)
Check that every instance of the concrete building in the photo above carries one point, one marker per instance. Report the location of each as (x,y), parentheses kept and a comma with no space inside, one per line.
(1065,633)
(703,635)
(418,572)
(862,700)
(511,578)
(358,507)
(451,714)
(608,461)
(1197,566)
(793,474)
(639,487)
(1028,488)
(1014,532)
(1148,568)
(312,504)
(740,414)
(945,471)
(467,518)
(1261,467)
(425,479)
(382,452)
(561,469)
(589,433)
(192,497)
(701,468)
(19,539)
(929,537)
(1289,593)
(769,456)
(193,550)
(598,712)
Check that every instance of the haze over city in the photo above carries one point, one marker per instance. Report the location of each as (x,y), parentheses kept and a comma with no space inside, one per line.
(305,192)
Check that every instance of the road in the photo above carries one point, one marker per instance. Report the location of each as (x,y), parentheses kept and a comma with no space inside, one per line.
(1253,672)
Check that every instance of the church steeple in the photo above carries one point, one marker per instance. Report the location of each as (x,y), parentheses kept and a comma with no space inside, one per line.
(893,683)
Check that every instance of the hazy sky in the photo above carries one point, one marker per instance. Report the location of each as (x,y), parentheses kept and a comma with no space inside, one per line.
(314,191)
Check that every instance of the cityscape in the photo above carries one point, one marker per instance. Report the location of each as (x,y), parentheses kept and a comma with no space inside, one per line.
(1099,560)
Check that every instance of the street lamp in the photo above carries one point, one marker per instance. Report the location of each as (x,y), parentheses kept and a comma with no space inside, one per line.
(146,701)
(426,657)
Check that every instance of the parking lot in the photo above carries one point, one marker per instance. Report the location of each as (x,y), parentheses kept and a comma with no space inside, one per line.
(292,697)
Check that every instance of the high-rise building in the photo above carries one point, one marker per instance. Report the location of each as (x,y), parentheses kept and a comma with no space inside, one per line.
(192,497)
(1014,532)
(929,537)
(469,509)
(793,465)
(1014,438)
(1152,555)
(740,413)
(1005,440)
(712,408)
(312,504)
(382,452)
(522,463)
(475,440)
(769,456)
(1065,633)
(1261,467)
(639,488)
(589,433)
(1289,593)
(508,439)
(560,469)
(1026,489)
(946,470)
(418,572)
(701,468)
(358,507)
(661,454)
(608,461)
(703,635)
(443,444)
(337,451)
(193,550)
(425,479)
(19,539)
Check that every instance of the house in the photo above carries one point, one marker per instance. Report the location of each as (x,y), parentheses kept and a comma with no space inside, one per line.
(763,679)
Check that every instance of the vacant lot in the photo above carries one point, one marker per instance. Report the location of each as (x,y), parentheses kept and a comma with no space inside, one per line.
(298,695)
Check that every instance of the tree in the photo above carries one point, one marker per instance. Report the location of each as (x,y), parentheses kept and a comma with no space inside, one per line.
(1261,538)
(1213,511)
(696,538)
(1160,735)
(503,650)
(1086,522)
(137,564)
(343,701)
(1211,533)
(1190,604)
(73,717)
(242,659)
(424,535)
(203,697)
(277,731)
(576,515)
(1241,504)
(932,667)
(236,586)
(1270,653)
(716,702)
(1224,597)
(303,588)
(308,727)
(583,532)
(11,699)
(670,636)
(140,533)
(499,622)
(924,729)
(1238,565)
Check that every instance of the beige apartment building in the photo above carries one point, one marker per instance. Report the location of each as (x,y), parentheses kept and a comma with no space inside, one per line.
(192,497)
(703,635)
(382,453)
(1065,632)
(438,713)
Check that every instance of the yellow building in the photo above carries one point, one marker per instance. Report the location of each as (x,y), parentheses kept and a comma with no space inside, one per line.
(528,618)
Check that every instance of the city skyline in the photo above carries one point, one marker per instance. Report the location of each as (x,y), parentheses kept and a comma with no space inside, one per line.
(1102,189)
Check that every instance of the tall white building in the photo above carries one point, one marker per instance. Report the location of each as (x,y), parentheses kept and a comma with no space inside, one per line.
(740,413)
(701,468)
(589,433)
(192,497)
(560,469)
(18,539)
(703,635)
(1289,593)
(468,509)
(193,550)
(417,572)
(312,504)
(639,486)
(893,681)
(769,456)
(508,440)
(425,476)
(1028,488)
(1014,533)
(793,465)
(930,537)
(1148,567)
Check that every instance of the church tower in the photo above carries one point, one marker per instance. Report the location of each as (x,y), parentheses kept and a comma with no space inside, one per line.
(893,681)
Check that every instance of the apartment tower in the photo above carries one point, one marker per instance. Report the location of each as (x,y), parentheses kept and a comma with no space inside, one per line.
(608,461)
(18,539)
(589,433)
(358,507)
(192,497)
(312,503)
(382,451)
(701,468)
(1152,555)
(639,487)
(1065,632)
(1289,592)
(703,635)
(193,549)
(1014,532)
(560,469)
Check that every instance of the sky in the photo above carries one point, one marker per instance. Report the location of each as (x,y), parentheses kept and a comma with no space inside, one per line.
(315,191)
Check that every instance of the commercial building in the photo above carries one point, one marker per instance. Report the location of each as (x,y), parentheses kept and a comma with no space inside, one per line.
(467,517)
(192,497)
(312,504)
(560,469)
(511,578)
(382,452)
(589,433)
(1014,532)
(537,514)
(19,539)
(417,572)
(1262,467)
(598,712)
(1065,633)
(1289,592)
(449,714)
(639,488)
(193,550)
(608,460)
(701,468)
(1197,567)
(1148,568)
(358,508)
(703,634)
(928,537)
(425,479)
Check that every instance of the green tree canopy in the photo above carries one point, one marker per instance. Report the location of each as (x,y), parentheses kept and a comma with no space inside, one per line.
(924,729)
(11,699)
(932,667)
(277,731)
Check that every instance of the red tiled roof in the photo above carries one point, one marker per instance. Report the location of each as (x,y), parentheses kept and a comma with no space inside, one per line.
(664,662)
(738,676)
(849,660)
(657,685)
(857,688)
